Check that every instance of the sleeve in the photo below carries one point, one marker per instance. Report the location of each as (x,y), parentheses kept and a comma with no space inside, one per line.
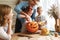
(43,18)
(34,12)
(18,7)
(4,35)
(33,15)
(36,19)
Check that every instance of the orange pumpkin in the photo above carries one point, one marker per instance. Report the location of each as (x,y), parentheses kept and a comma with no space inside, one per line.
(44,31)
(32,27)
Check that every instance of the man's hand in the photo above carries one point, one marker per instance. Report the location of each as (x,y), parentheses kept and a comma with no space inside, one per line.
(23,13)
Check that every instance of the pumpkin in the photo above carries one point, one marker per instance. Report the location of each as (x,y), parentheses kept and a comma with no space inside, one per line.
(32,27)
(44,31)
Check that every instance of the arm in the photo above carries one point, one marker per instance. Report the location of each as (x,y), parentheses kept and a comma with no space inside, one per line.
(9,27)
(22,16)
(19,7)
(34,14)
(4,35)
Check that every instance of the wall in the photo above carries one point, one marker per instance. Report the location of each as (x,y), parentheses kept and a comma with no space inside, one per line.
(9,2)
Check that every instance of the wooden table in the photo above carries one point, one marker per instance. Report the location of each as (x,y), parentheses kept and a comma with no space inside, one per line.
(18,36)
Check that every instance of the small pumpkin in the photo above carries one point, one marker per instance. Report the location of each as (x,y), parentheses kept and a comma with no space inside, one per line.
(32,27)
(44,31)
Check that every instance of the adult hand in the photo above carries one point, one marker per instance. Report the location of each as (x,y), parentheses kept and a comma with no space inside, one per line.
(23,13)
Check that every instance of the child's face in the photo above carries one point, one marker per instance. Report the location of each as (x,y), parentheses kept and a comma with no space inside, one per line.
(8,17)
(30,11)
(39,10)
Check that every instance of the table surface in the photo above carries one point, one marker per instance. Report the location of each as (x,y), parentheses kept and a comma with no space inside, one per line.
(21,36)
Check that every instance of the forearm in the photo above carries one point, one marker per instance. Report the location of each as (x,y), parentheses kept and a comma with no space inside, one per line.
(9,30)
(22,12)
(21,16)
(9,27)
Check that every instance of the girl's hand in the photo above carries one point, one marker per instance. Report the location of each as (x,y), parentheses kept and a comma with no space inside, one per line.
(9,21)
(41,23)
(9,26)
(27,18)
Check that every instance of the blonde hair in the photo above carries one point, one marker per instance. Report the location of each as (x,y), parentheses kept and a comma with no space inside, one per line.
(4,10)
(39,7)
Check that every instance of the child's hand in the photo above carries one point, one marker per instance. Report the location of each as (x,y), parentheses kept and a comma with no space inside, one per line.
(27,18)
(41,23)
(10,16)
(9,22)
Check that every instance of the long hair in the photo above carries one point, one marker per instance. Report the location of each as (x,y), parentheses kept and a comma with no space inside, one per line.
(4,10)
